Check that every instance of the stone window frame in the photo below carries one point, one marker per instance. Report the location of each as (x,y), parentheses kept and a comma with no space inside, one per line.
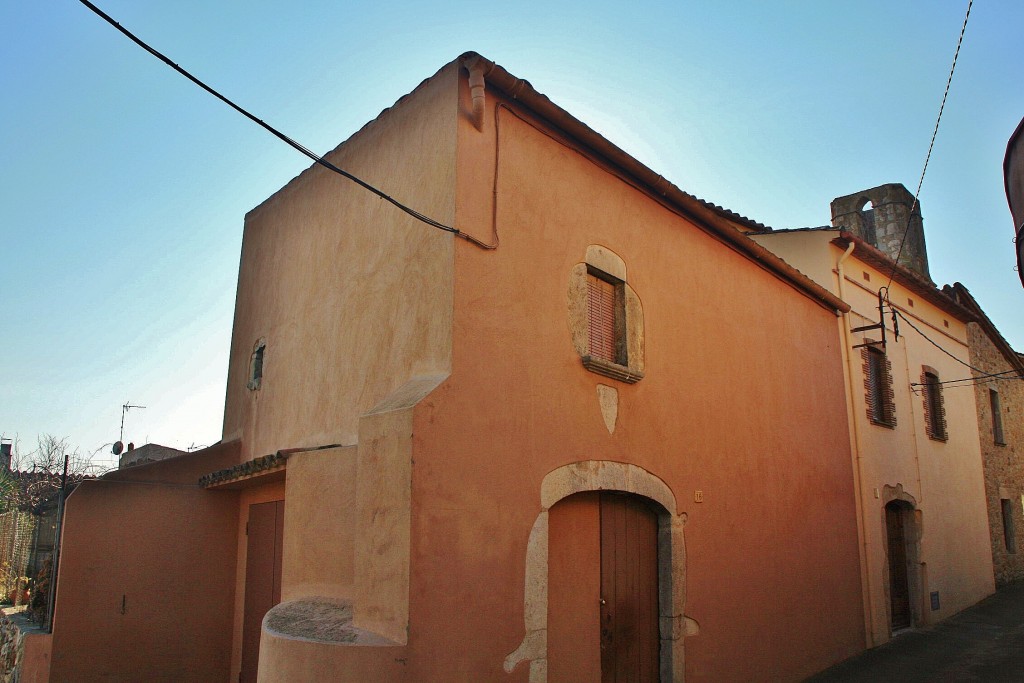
(602,263)
(934,404)
(878,390)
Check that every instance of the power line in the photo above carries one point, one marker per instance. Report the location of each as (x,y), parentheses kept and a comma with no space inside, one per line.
(278,134)
(933,343)
(966,381)
(931,144)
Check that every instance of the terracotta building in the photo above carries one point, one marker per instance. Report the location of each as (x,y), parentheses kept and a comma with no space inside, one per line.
(577,422)
(999,394)
(917,461)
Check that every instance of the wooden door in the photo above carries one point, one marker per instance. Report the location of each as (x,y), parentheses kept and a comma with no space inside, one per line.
(265,535)
(629,590)
(574,589)
(899,586)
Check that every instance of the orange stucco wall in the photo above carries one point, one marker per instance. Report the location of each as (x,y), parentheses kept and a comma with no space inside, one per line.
(350,295)
(35,659)
(742,400)
(146,583)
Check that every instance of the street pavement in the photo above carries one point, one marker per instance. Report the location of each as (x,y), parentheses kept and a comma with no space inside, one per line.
(982,643)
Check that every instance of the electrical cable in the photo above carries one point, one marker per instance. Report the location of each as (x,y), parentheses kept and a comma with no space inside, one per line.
(967,381)
(931,144)
(933,343)
(278,134)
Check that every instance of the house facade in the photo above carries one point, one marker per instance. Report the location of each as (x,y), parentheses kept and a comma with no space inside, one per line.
(486,451)
(578,424)
(999,396)
(917,457)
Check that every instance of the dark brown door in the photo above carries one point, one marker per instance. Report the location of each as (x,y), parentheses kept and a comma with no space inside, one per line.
(629,590)
(899,587)
(265,531)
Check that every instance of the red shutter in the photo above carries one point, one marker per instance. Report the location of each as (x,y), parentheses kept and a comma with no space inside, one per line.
(601,318)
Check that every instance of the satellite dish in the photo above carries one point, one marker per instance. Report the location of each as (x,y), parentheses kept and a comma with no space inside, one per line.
(117,448)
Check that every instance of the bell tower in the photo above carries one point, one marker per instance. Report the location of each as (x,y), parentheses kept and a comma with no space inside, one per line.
(879,216)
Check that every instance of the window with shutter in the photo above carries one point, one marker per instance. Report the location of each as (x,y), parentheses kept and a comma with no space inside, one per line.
(606,317)
(878,387)
(934,409)
(603,319)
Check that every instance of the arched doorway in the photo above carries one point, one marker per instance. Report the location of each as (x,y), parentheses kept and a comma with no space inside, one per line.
(898,555)
(596,477)
(603,589)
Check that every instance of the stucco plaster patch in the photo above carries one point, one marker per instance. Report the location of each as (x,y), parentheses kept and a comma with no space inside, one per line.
(608,400)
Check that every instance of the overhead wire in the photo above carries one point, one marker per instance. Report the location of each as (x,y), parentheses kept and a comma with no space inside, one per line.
(931,144)
(897,312)
(978,379)
(278,134)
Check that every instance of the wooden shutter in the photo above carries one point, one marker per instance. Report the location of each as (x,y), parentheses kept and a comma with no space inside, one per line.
(878,387)
(934,408)
(601,318)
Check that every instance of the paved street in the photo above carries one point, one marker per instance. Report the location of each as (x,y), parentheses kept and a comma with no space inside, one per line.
(983,643)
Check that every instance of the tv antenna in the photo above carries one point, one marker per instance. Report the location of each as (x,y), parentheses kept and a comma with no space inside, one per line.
(119,444)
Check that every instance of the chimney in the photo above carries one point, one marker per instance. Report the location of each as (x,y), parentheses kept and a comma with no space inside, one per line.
(880,216)
(5,455)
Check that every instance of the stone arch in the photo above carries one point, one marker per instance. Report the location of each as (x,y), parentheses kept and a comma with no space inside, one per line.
(605,475)
(866,214)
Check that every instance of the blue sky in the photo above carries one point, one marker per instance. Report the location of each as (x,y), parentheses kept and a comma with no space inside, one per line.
(124,186)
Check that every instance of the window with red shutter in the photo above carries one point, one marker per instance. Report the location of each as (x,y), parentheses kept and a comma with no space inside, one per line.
(934,408)
(601,317)
(878,392)
(606,318)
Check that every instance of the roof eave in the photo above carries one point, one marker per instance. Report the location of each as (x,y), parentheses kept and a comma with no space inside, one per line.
(714,219)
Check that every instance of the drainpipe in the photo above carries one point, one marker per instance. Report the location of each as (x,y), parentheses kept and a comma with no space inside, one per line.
(55,557)
(855,442)
(477,67)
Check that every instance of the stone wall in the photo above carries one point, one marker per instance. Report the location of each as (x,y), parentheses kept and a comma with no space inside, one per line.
(14,627)
(1004,472)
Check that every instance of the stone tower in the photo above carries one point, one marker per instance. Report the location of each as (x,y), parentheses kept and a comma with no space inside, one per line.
(879,216)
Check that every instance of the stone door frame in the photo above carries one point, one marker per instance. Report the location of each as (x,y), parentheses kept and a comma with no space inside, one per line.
(606,475)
